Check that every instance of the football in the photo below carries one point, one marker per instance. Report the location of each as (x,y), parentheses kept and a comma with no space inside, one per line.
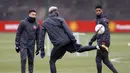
(100,29)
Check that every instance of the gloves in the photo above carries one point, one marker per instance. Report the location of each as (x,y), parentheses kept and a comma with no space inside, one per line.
(42,54)
(37,52)
(90,43)
(17,48)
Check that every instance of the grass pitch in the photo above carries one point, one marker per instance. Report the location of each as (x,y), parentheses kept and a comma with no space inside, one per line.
(70,63)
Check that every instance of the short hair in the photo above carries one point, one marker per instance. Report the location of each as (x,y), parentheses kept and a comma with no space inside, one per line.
(52,9)
(98,6)
(32,11)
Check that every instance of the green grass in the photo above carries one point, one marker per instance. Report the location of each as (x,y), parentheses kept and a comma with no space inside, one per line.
(70,63)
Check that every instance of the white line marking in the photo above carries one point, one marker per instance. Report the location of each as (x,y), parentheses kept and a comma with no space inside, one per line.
(117,60)
(128,44)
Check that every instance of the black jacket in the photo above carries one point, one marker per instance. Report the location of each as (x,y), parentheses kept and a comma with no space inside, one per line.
(58,31)
(105,37)
(27,33)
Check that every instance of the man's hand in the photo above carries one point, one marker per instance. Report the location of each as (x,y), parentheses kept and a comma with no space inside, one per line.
(37,52)
(42,54)
(17,49)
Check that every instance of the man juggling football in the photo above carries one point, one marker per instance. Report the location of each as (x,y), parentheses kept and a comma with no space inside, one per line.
(103,39)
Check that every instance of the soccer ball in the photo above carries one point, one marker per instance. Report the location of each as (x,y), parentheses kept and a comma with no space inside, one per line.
(100,29)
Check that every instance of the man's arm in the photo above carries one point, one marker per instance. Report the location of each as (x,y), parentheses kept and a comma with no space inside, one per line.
(104,22)
(93,39)
(37,35)
(68,31)
(42,37)
(18,33)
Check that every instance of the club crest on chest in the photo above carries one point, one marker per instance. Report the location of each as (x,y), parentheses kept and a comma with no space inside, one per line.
(34,27)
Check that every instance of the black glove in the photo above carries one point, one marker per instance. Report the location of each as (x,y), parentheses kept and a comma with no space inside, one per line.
(42,54)
(90,43)
(37,52)
(17,48)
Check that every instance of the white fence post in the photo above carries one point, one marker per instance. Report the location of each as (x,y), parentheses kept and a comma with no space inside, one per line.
(48,46)
(78,41)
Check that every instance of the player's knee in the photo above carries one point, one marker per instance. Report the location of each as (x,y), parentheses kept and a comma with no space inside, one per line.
(23,60)
(98,60)
(52,61)
(106,61)
(30,62)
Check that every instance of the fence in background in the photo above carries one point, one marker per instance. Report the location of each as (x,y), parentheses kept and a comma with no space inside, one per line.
(75,26)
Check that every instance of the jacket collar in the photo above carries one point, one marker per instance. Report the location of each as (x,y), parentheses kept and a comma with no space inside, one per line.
(52,15)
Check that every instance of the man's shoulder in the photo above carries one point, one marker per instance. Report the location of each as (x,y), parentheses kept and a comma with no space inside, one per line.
(58,18)
(24,21)
(53,18)
(46,20)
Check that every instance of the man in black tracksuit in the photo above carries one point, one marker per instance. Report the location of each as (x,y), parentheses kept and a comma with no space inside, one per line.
(61,37)
(103,40)
(26,36)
